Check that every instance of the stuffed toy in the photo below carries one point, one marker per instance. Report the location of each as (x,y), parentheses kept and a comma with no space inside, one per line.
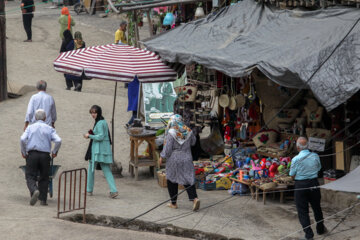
(227,133)
(281,168)
(268,164)
(273,169)
(256,167)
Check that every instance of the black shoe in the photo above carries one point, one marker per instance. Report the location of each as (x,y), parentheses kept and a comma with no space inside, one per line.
(78,88)
(323,232)
(43,203)
(68,88)
(34,197)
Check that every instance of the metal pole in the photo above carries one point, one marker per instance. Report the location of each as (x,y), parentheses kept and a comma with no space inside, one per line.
(136,29)
(3,74)
(150,23)
(112,123)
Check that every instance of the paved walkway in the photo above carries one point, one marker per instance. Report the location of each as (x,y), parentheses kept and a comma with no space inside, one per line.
(30,62)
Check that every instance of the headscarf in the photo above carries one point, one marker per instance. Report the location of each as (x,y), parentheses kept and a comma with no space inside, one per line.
(78,40)
(98,110)
(65,11)
(67,39)
(99,117)
(177,129)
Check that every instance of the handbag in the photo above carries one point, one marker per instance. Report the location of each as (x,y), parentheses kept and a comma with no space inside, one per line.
(88,151)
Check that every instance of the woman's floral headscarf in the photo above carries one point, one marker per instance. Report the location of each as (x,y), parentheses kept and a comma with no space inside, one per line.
(177,129)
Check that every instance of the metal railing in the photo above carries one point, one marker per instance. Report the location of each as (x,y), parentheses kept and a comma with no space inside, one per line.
(73,202)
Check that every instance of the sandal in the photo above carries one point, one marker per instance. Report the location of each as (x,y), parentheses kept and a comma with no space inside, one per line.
(196,204)
(114,194)
(174,206)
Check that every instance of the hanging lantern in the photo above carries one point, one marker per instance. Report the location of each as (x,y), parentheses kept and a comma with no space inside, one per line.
(199,13)
(169,18)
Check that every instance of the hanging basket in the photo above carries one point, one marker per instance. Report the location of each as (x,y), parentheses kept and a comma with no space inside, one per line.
(186,93)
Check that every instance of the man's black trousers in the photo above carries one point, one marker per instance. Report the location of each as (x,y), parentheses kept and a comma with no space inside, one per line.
(38,164)
(27,19)
(302,200)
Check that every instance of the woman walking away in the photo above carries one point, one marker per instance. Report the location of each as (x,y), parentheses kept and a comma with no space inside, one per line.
(68,44)
(66,22)
(100,152)
(72,80)
(179,163)
(79,43)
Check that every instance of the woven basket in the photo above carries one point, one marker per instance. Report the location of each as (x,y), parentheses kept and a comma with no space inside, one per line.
(240,100)
(318,133)
(268,186)
(186,93)
(224,100)
(312,104)
(232,103)
(287,115)
(136,130)
(264,138)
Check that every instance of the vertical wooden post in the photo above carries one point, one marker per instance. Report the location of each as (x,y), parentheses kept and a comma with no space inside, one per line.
(3,73)
(136,33)
(150,23)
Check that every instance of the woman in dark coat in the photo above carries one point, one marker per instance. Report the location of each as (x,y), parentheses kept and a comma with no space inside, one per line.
(69,44)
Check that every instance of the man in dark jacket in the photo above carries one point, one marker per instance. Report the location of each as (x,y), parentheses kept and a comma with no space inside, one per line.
(27,8)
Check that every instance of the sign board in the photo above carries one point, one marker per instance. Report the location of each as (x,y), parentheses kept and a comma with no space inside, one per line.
(215,3)
(317,144)
(158,101)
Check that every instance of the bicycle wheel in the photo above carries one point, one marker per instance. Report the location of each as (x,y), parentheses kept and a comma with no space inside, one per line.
(78,8)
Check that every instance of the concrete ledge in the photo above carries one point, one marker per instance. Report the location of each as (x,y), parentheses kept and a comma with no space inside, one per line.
(338,199)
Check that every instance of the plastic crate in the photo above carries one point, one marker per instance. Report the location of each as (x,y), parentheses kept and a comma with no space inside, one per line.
(207,186)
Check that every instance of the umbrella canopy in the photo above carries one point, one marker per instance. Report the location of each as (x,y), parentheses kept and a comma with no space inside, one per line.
(115,62)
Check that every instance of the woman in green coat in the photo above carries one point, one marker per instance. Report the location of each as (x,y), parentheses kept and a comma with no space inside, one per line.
(100,152)
(66,22)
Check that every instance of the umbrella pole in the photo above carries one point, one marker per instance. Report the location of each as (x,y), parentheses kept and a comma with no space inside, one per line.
(112,122)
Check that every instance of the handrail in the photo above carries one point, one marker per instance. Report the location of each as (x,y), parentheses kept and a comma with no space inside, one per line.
(74,194)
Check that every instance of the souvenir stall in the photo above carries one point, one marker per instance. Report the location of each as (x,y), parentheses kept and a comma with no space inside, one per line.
(251,142)
(253,112)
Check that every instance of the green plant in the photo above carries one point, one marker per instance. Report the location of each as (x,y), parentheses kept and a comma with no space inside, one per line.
(131,28)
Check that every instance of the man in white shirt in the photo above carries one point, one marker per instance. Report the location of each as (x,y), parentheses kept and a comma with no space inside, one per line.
(41,100)
(35,145)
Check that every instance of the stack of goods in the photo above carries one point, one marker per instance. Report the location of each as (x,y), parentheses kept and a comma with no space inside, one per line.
(332,174)
(214,175)
(266,143)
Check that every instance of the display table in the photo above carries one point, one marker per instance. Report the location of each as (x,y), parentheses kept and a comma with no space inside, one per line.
(279,188)
(136,160)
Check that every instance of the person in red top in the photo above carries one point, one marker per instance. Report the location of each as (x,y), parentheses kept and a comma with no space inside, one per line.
(27,8)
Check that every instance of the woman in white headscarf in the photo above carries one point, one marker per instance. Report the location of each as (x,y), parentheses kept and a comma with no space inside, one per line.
(179,166)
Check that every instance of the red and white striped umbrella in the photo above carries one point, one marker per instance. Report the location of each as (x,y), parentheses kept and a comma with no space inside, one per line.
(115,62)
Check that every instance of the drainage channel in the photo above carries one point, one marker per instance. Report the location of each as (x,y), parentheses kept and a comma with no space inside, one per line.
(143,226)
